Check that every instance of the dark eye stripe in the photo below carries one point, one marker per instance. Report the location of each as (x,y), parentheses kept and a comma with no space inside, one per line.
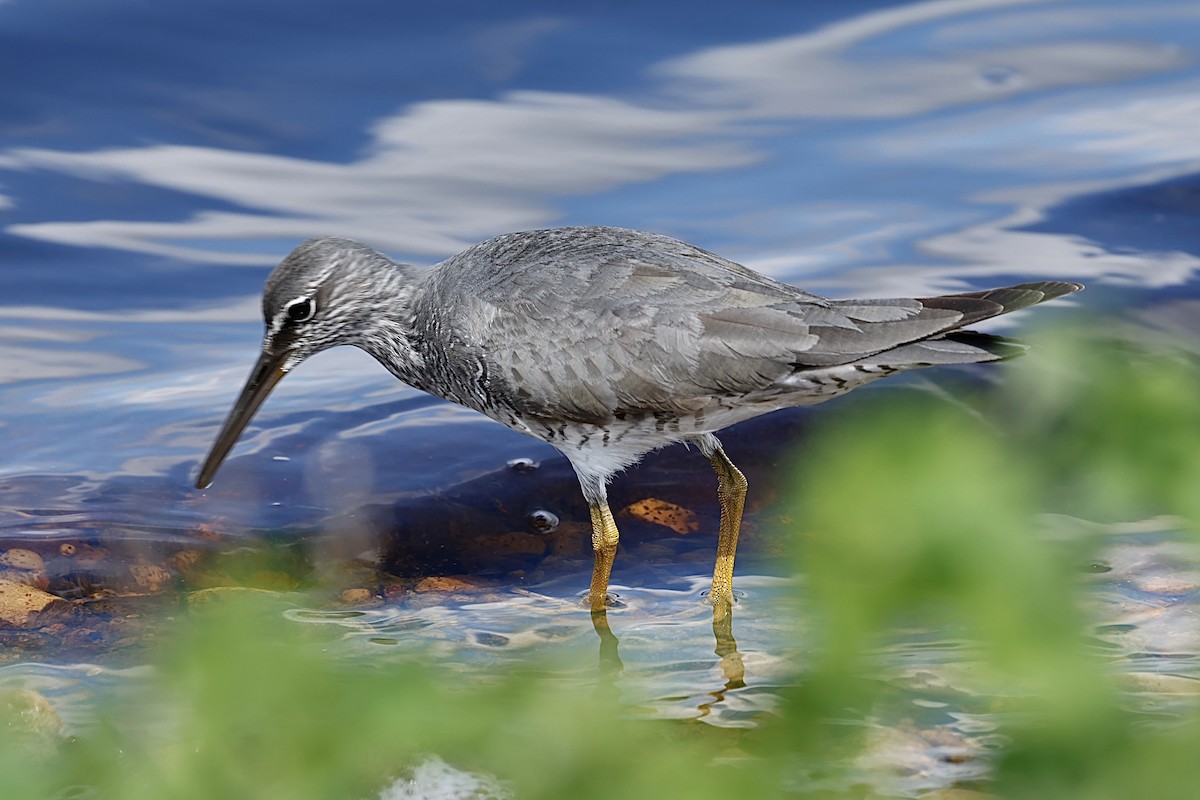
(300,309)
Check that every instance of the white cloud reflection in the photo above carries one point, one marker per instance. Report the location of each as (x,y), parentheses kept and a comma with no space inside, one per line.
(248,308)
(1140,131)
(1081,147)
(441,174)
(435,178)
(1003,244)
(821,75)
(18,363)
(1086,135)
(1057,19)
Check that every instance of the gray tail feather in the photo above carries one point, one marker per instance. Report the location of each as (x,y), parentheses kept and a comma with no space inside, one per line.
(956,347)
(978,306)
(996,348)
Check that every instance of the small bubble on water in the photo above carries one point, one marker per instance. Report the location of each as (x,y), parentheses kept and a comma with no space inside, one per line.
(738,594)
(542,521)
(522,464)
(280,458)
(491,639)
(1000,77)
(320,616)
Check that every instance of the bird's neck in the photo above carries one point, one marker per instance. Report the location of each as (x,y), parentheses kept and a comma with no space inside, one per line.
(391,335)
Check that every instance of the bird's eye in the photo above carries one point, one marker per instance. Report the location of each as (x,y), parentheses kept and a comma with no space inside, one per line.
(301,309)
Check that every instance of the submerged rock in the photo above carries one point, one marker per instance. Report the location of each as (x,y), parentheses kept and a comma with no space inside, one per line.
(216,595)
(23,566)
(25,606)
(30,723)
(442,583)
(359,596)
(19,558)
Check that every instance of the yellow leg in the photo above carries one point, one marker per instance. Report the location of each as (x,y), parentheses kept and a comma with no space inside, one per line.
(731,491)
(604,542)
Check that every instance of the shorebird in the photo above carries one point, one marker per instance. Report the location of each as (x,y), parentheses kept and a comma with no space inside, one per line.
(607,343)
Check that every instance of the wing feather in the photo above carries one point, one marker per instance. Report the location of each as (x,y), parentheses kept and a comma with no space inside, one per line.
(643,322)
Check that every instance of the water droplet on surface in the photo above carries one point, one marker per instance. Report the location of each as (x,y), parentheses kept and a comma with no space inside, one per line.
(1000,77)
(320,616)
(541,520)
(612,600)
(738,594)
(522,464)
(491,639)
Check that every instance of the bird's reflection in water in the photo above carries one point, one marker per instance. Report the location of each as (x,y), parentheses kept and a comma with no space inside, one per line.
(729,658)
(726,649)
(730,662)
(611,665)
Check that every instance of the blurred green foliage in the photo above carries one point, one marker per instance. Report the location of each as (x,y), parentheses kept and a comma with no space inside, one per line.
(914,513)
(910,514)
(249,706)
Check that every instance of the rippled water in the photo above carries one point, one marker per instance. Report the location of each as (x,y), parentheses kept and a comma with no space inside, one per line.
(156,159)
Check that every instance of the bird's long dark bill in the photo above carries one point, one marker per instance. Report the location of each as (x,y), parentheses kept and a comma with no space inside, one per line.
(267,372)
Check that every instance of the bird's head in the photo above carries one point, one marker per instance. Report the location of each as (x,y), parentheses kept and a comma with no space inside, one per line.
(325,293)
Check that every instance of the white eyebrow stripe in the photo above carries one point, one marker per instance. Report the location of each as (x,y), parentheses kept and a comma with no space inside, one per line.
(312,307)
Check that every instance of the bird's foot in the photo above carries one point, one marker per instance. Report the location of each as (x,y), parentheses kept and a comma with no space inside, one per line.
(722,603)
(728,597)
(610,600)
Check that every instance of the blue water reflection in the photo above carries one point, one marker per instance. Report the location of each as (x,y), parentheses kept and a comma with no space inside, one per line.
(155,159)
(747,142)
(159,159)
(151,172)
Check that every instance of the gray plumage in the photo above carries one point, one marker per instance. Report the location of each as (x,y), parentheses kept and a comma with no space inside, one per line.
(606,342)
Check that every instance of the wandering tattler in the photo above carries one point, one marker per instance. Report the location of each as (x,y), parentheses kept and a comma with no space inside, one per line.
(607,343)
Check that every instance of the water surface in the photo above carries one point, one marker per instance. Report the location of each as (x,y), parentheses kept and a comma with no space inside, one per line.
(155,161)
